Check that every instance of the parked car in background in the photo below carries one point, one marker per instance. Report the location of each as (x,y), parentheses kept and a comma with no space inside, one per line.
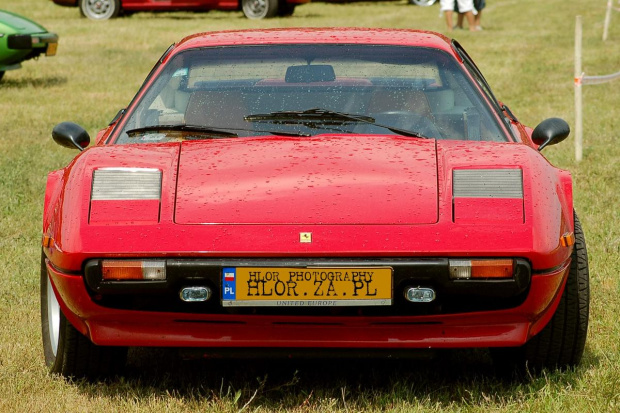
(312,190)
(423,2)
(22,39)
(253,9)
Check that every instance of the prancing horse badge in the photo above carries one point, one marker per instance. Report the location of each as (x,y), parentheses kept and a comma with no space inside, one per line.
(305,237)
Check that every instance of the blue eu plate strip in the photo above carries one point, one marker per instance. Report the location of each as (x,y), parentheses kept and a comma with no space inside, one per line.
(229,275)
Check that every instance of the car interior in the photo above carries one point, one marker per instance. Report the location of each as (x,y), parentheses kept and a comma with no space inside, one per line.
(424,97)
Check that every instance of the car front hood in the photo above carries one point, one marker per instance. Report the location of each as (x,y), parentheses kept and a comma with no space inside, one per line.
(339,179)
(19,24)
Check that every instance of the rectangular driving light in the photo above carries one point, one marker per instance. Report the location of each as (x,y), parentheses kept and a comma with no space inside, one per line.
(116,184)
(125,270)
(487,183)
(481,269)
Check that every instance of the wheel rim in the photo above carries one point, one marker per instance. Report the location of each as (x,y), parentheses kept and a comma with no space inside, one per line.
(53,317)
(99,9)
(255,8)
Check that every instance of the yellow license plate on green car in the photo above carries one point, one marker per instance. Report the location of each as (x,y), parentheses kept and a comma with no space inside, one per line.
(51,49)
(311,287)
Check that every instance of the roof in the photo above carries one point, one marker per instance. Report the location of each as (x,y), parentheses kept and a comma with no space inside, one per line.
(317,35)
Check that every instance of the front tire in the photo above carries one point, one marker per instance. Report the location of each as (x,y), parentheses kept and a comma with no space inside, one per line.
(422,3)
(67,351)
(100,9)
(259,9)
(562,342)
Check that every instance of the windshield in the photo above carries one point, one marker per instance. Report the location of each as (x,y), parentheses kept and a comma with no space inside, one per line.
(304,90)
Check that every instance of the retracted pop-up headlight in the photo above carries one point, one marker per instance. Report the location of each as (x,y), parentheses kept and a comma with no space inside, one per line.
(125,196)
(482,196)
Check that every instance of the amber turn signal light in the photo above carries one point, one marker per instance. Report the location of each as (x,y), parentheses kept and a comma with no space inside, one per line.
(119,270)
(481,269)
(48,242)
(567,239)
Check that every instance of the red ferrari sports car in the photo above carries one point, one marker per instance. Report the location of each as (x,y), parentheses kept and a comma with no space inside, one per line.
(252,9)
(337,190)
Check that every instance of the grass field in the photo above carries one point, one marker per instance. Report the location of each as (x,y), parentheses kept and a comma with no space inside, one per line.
(526,52)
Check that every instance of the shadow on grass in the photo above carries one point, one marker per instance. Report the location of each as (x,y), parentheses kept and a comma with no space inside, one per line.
(37,83)
(230,15)
(450,376)
(185,16)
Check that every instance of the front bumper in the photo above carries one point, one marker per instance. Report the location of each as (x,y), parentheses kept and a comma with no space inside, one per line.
(454,296)
(38,42)
(129,327)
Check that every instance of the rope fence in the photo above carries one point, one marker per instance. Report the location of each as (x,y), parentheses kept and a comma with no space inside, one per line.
(580,80)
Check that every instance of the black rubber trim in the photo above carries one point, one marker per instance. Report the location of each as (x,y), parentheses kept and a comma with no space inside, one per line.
(19,41)
(419,272)
(64,271)
(549,270)
(24,41)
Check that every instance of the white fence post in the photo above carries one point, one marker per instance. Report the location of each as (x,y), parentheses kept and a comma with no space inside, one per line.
(607,19)
(608,13)
(578,100)
(580,80)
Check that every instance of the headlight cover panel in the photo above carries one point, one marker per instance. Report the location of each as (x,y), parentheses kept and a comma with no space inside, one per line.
(125,196)
(487,195)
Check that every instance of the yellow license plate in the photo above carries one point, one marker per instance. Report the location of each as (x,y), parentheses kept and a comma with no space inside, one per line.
(51,49)
(311,287)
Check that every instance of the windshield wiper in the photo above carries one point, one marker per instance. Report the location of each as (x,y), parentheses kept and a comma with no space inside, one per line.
(310,115)
(313,116)
(183,128)
(205,130)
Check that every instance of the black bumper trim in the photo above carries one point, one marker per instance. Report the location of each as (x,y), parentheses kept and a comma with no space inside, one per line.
(452,295)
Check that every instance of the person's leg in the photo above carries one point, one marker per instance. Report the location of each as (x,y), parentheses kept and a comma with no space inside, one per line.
(459,16)
(459,21)
(448,14)
(479,5)
(447,7)
(470,21)
(467,8)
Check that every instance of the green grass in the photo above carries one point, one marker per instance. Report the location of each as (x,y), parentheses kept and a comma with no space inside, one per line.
(526,52)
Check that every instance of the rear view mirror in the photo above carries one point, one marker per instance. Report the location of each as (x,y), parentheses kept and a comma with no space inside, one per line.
(550,131)
(310,74)
(71,135)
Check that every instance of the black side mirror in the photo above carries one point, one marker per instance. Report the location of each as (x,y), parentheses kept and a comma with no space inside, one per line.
(71,135)
(550,131)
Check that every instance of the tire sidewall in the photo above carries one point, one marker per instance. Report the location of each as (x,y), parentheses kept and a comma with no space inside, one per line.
(86,11)
(53,361)
(422,3)
(270,9)
(561,343)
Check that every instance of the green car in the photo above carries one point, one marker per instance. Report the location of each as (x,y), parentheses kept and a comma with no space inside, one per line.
(22,39)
